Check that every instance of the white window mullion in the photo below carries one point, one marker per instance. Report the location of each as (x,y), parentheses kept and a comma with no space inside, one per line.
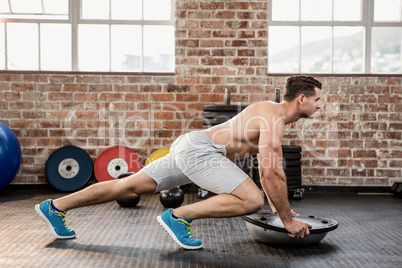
(74,16)
(39,48)
(368,18)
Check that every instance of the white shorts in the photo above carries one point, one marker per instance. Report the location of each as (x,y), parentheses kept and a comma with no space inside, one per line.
(194,157)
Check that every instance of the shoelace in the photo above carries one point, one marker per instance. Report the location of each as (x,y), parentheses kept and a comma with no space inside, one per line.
(188,227)
(63,217)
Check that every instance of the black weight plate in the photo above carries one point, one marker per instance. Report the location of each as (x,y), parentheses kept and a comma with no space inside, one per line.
(294,178)
(291,156)
(209,115)
(214,121)
(224,108)
(291,163)
(294,171)
(69,168)
(291,149)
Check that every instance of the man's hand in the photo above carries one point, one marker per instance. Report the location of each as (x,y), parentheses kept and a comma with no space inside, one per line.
(298,229)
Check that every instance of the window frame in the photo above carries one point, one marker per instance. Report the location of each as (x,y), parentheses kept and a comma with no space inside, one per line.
(367,21)
(74,20)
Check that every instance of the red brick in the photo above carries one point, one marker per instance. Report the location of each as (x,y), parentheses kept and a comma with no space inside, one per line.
(86,115)
(88,79)
(211,61)
(211,98)
(364,154)
(60,96)
(212,5)
(49,87)
(162,97)
(211,24)
(211,43)
(224,15)
(164,115)
(342,153)
(34,78)
(245,15)
(23,87)
(10,96)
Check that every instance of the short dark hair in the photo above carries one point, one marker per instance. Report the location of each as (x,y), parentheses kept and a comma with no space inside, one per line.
(300,84)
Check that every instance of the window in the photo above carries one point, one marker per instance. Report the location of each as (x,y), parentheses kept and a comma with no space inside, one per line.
(87,35)
(335,36)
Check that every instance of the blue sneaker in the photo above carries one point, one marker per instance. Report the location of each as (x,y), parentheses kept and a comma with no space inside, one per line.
(179,229)
(55,220)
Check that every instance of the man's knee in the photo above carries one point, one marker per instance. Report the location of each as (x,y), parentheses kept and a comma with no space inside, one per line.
(256,202)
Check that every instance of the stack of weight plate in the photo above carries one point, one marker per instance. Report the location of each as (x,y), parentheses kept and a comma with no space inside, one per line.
(291,166)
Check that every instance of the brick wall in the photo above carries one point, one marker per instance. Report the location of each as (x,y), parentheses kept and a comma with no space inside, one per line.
(354,141)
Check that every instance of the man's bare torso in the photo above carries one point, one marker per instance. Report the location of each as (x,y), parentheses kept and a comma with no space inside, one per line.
(241,134)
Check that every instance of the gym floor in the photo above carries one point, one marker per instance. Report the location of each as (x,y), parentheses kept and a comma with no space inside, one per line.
(369,235)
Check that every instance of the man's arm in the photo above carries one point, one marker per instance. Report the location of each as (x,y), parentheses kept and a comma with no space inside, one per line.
(273,179)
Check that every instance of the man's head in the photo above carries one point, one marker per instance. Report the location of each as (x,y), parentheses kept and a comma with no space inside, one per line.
(300,84)
(306,90)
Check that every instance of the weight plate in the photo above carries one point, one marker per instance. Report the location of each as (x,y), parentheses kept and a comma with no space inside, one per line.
(294,171)
(291,156)
(291,149)
(69,168)
(115,161)
(291,163)
(210,115)
(214,121)
(224,108)
(157,154)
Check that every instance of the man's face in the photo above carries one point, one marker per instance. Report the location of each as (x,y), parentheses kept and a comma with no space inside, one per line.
(312,104)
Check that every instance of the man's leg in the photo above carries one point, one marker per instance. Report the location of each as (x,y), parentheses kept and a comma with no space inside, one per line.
(53,211)
(131,186)
(245,199)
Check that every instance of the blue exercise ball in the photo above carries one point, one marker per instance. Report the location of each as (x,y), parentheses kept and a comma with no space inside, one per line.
(10,156)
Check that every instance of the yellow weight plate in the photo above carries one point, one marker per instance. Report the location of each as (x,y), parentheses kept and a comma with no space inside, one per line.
(157,154)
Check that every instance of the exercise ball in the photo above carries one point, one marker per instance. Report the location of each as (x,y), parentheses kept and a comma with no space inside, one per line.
(172,198)
(10,155)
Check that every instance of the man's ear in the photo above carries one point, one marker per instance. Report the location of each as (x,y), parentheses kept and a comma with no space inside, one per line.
(301,98)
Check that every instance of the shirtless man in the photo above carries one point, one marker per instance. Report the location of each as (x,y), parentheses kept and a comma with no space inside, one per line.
(203,157)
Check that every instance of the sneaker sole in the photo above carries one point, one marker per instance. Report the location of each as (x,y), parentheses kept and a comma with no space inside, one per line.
(45,219)
(170,232)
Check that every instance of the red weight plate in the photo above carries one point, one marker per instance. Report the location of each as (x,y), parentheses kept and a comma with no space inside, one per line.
(114,161)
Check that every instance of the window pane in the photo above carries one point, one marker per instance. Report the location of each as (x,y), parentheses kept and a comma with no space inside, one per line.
(2,47)
(4,7)
(95,9)
(22,46)
(283,49)
(55,6)
(93,47)
(316,49)
(126,48)
(348,49)
(387,10)
(126,9)
(55,47)
(157,9)
(285,10)
(26,6)
(158,48)
(386,50)
(316,10)
(347,10)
